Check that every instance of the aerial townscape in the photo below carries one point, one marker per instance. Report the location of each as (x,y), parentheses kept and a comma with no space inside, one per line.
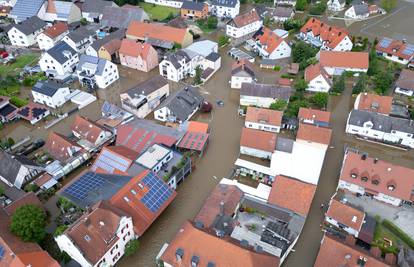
(207,133)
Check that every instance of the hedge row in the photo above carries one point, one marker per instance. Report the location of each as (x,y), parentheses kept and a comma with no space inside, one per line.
(398,232)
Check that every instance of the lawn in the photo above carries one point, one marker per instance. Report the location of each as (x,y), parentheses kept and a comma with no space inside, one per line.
(19,64)
(158,13)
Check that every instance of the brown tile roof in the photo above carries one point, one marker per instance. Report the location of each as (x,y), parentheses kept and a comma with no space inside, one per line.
(86,128)
(124,152)
(101,226)
(56,30)
(338,59)
(144,30)
(262,115)
(141,215)
(257,139)
(387,174)
(330,35)
(292,194)
(374,103)
(285,82)
(243,65)
(198,127)
(41,180)
(61,147)
(209,248)
(406,79)
(245,19)
(314,134)
(51,7)
(112,46)
(230,195)
(134,49)
(314,114)
(335,253)
(26,199)
(269,40)
(313,71)
(395,48)
(345,214)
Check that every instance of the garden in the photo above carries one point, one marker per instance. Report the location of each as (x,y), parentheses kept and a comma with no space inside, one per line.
(159,13)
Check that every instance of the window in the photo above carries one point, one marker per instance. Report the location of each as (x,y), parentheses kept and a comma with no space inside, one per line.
(126,199)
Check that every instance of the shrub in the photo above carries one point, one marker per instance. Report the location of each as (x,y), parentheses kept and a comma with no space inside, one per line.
(131,247)
(318,9)
(59,230)
(292,24)
(320,99)
(18,102)
(398,232)
(28,223)
(277,68)
(223,40)
(301,5)
(31,188)
(278,105)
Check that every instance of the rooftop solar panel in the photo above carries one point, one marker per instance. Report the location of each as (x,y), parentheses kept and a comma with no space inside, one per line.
(385,42)
(158,193)
(86,183)
(409,50)
(113,161)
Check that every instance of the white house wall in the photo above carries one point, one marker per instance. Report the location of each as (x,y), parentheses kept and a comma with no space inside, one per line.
(255,152)
(262,126)
(236,32)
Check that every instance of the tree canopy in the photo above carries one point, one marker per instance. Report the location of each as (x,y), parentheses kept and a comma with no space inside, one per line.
(303,53)
(280,105)
(320,99)
(388,5)
(28,222)
(131,247)
(339,84)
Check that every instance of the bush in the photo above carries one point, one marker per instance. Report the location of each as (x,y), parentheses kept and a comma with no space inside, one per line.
(320,100)
(301,5)
(360,85)
(292,24)
(18,102)
(65,204)
(59,230)
(31,188)
(398,232)
(303,54)
(339,84)
(212,22)
(2,190)
(383,81)
(131,247)
(277,68)
(28,222)
(280,105)
(318,9)
(223,40)
(300,85)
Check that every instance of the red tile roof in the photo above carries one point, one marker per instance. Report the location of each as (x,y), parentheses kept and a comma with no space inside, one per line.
(56,30)
(141,215)
(61,147)
(43,179)
(334,253)
(356,60)
(269,40)
(210,248)
(230,195)
(314,114)
(262,115)
(245,19)
(314,134)
(292,194)
(135,49)
(198,127)
(285,82)
(345,214)
(395,48)
(35,259)
(26,199)
(257,139)
(87,129)
(142,30)
(389,176)
(374,103)
(114,160)
(313,71)
(112,46)
(194,141)
(330,35)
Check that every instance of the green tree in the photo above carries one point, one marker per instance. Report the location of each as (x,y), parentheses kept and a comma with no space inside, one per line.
(212,22)
(359,85)
(300,85)
(279,104)
(301,5)
(293,108)
(388,5)
(223,40)
(319,99)
(318,9)
(339,84)
(292,24)
(31,188)
(373,67)
(267,20)
(197,77)
(60,229)
(28,222)
(383,81)
(131,247)
(302,52)
(2,190)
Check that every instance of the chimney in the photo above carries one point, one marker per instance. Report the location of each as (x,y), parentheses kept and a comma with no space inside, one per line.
(350,240)
(375,252)
(221,208)
(390,259)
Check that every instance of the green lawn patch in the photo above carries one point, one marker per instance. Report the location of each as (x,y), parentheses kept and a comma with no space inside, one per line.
(18,102)
(159,13)
(20,62)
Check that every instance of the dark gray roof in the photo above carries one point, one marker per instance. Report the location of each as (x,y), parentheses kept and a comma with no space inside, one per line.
(361,9)
(226,3)
(99,62)
(380,122)
(119,34)
(30,25)
(61,52)
(283,12)
(406,80)
(10,165)
(183,102)
(213,56)
(96,6)
(48,88)
(160,43)
(284,144)
(199,6)
(265,90)
(243,68)
(24,9)
(121,17)
(176,57)
(148,86)
(81,33)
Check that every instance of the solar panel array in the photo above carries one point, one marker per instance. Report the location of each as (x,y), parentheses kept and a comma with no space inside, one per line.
(1,252)
(26,8)
(158,193)
(86,183)
(109,162)
(385,42)
(409,50)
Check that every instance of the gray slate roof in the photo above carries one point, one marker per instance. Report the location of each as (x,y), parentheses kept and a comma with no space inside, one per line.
(265,90)
(10,165)
(81,33)
(406,80)
(148,86)
(361,9)
(199,6)
(99,62)
(183,102)
(59,50)
(225,3)
(380,122)
(283,12)
(213,56)
(24,9)
(30,25)
(48,88)
(121,17)
(96,6)
(176,57)
(119,34)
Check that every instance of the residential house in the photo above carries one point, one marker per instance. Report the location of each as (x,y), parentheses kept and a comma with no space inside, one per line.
(344,217)
(144,31)
(113,116)
(263,95)
(314,135)
(61,11)
(256,143)
(180,106)
(110,51)
(263,119)
(24,34)
(314,116)
(94,71)
(335,63)
(382,180)
(8,3)
(395,50)
(244,24)
(121,17)
(381,127)
(209,65)
(92,10)
(196,138)
(224,8)
(59,61)
(143,98)
(25,9)
(334,252)
(358,10)
(52,35)
(50,93)
(282,13)
(317,78)
(90,133)
(242,72)
(269,45)
(33,112)
(194,10)
(107,47)
(325,36)
(405,83)
(80,38)
(336,5)
(16,170)
(136,55)
(169,3)
(373,103)
(285,2)
(98,237)
(8,111)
